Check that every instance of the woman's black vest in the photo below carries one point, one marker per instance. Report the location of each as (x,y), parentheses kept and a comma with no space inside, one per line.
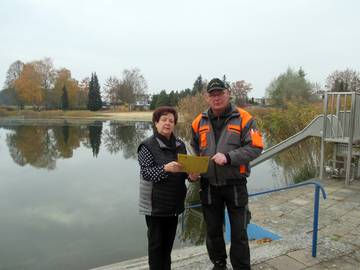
(166,197)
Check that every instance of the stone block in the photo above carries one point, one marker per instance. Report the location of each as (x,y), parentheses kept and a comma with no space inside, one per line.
(304,256)
(285,263)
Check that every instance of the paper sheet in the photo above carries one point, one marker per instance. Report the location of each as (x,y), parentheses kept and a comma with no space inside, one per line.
(193,164)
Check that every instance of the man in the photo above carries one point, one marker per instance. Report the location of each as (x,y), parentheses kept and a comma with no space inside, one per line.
(229,136)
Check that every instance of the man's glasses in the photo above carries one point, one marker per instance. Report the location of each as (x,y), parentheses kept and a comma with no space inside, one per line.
(217,94)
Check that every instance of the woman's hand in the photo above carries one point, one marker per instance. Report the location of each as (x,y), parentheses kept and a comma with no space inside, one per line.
(173,167)
(193,177)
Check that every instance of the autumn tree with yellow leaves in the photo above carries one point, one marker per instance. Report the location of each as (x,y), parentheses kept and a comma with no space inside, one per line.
(63,79)
(28,86)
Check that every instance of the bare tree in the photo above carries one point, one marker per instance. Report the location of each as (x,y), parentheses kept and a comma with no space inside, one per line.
(240,90)
(13,73)
(134,81)
(83,92)
(343,81)
(47,72)
(112,90)
(126,93)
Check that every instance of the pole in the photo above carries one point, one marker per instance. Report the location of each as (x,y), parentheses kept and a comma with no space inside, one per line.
(316,220)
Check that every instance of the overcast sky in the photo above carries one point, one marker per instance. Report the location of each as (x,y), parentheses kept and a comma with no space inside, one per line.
(172,42)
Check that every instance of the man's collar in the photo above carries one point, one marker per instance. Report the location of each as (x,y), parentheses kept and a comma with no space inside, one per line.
(228,110)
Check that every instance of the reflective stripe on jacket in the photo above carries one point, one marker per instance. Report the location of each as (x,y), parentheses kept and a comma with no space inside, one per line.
(239,138)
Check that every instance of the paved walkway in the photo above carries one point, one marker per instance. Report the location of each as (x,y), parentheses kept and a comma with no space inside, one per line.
(289,214)
(339,227)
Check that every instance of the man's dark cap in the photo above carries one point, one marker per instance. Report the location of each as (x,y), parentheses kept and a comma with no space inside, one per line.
(216,84)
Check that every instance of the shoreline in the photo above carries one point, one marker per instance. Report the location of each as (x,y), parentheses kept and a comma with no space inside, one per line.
(142,116)
(79,115)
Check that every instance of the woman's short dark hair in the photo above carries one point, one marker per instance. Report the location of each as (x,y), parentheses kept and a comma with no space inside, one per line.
(164,110)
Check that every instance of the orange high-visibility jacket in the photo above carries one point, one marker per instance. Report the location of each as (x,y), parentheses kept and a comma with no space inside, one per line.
(239,138)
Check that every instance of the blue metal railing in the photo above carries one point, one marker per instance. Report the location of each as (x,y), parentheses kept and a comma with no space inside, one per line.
(318,188)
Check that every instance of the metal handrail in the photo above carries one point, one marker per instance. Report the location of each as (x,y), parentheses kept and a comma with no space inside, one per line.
(318,188)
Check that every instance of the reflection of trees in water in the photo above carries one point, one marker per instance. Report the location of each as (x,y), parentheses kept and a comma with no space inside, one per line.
(67,138)
(193,230)
(95,132)
(125,137)
(300,162)
(65,132)
(193,225)
(111,141)
(41,145)
(32,145)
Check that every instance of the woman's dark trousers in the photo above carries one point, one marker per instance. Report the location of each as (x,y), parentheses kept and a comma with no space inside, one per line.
(161,235)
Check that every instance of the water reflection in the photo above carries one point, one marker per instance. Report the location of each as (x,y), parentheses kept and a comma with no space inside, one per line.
(32,145)
(42,145)
(300,162)
(95,137)
(192,221)
(125,137)
(66,139)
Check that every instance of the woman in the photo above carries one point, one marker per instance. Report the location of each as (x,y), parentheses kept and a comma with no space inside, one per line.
(162,186)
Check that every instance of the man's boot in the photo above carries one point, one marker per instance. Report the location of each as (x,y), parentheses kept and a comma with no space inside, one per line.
(219,265)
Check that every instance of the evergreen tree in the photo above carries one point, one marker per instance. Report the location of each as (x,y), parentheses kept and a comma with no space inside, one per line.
(154,101)
(173,98)
(163,99)
(8,97)
(184,93)
(64,99)
(198,85)
(225,81)
(95,102)
(301,73)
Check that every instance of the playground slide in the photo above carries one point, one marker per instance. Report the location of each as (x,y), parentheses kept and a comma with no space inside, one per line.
(313,129)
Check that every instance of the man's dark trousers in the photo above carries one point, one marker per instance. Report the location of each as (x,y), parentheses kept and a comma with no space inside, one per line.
(161,235)
(235,198)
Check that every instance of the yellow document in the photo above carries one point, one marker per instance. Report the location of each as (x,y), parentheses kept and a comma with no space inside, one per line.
(193,164)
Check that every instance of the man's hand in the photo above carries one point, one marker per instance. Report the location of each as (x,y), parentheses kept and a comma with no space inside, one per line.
(193,177)
(219,159)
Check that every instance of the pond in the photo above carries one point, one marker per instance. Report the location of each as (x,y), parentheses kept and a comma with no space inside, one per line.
(69,193)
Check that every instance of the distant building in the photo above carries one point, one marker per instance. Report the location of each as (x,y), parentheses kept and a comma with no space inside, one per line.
(106,105)
(142,103)
(320,92)
(260,101)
